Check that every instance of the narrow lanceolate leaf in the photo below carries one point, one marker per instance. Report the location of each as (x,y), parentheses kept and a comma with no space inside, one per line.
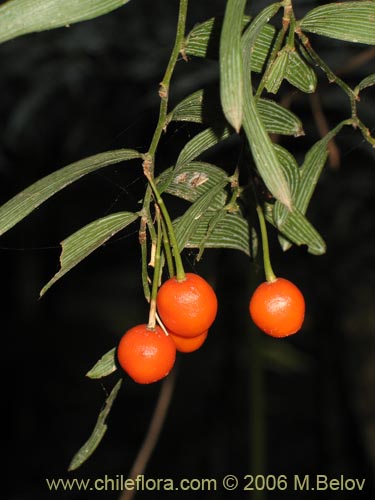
(105,366)
(83,242)
(200,107)
(277,72)
(260,143)
(97,434)
(18,17)
(299,74)
(193,180)
(25,202)
(186,225)
(279,120)
(311,169)
(231,231)
(189,109)
(290,168)
(366,82)
(204,41)
(351,21)
(309,174)
(296,228)
(231,72)
(201,142)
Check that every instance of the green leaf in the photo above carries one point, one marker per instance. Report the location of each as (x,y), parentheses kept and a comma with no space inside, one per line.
(83,242)
(350,21)
(201,142)
(279,120)
(230,231)
(290,168)
(189,109)
(260,143)
(303,190)
(105,366)
(231,71)
(97,434)
(366,82)
(299,74)
(193,180)
(296,228)
(204,40)
(185,226)
(312,168)
(28,200)
(277,72)
(200,107)
(18,17)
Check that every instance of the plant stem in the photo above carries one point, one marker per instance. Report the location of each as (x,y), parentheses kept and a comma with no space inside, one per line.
(167,249)
(156,278)
(164,85)
(143,242)
(153,433)
(149,157)
(270,275)
(327,70)
(180,273)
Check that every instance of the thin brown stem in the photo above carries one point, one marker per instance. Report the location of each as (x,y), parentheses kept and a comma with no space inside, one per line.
(152,436)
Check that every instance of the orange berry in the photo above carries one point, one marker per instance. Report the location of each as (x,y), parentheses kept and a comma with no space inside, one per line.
(146,355)
(278,307)
(188,344)
(187,308)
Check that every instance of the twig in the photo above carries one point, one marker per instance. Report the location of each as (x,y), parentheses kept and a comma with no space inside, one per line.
(152,436)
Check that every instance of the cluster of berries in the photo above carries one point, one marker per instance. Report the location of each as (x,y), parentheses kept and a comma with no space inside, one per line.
(187,309)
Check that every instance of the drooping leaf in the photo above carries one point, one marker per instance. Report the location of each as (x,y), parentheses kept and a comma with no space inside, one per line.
(189,109)
(200,107)
(299,74)
(311,169)
(277,72)
(97,434)
(351,21)
(83,242)
(19,17)
(193,180)
(279,120)
(309,174)
(104,367)
(366,82)
(259,141)
(230,58)
(204,41)
(290,168)
(201,143)
(296,228)
(26,201)
(231,231)
(185,226)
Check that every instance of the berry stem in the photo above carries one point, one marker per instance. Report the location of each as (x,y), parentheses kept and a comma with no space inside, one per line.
(156,278)
(143,243)
(167,249)
(270,275)
(180,273)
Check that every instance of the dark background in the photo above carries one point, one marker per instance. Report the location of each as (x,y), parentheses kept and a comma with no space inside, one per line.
(73,92)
